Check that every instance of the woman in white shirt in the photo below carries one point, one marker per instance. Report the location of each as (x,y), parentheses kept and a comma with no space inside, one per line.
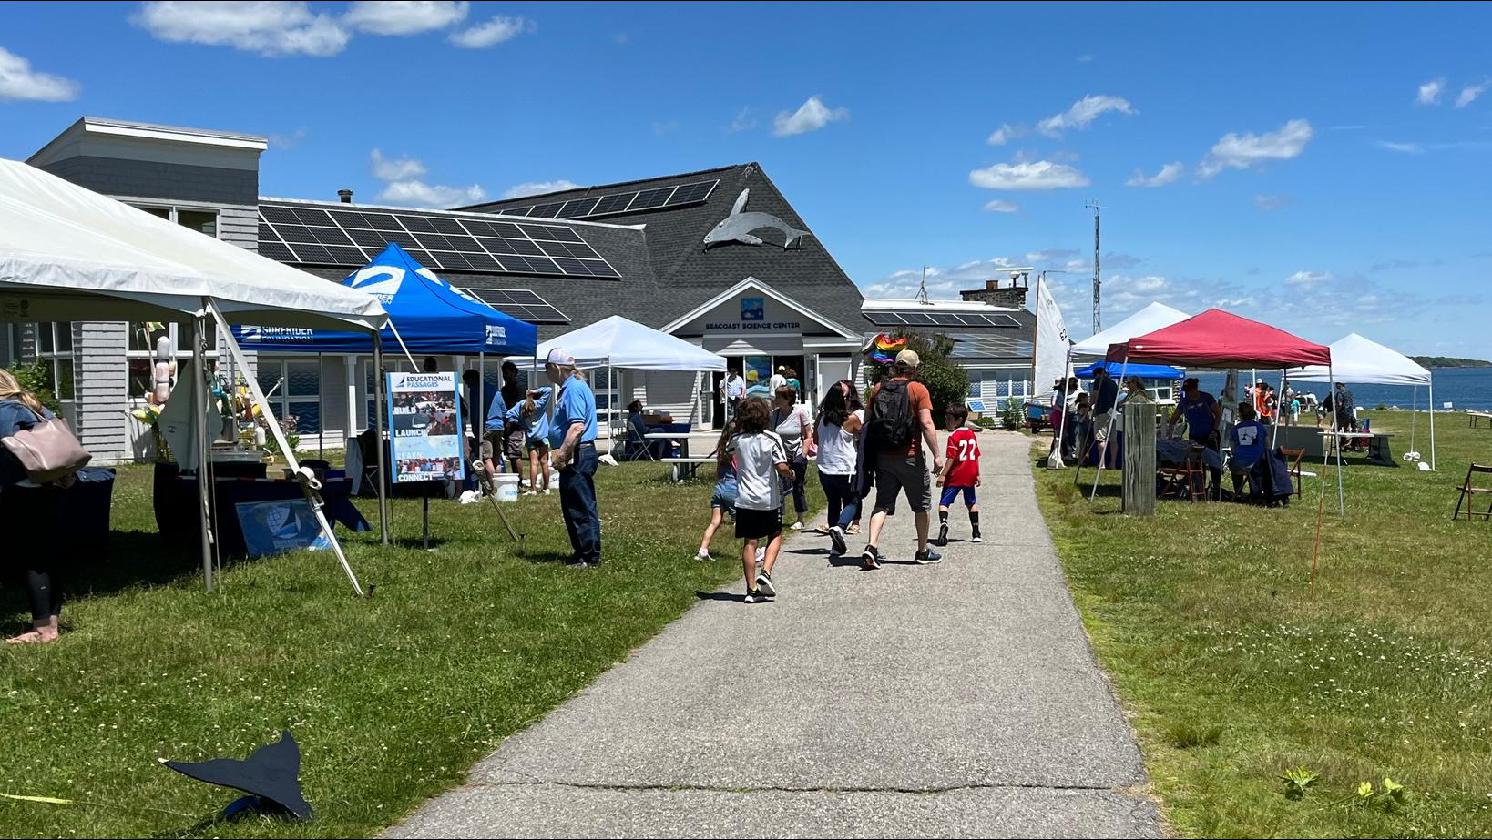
(791,423)
(837,434)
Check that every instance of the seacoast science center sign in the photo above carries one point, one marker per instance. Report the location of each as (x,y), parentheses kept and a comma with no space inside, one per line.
(754,319)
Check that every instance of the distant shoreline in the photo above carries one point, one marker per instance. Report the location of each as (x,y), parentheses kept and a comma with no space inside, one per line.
(1449,362)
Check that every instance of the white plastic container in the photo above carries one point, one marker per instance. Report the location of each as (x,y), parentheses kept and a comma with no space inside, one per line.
(507,487)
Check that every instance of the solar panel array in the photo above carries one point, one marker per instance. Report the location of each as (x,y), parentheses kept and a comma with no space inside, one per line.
(522,304)
(331,236)
(615,203)
(949,320)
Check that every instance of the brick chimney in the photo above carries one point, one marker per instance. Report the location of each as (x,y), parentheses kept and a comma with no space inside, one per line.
(1012,296)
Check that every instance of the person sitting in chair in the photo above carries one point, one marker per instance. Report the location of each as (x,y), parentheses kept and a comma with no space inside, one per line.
(637,431)
(1249,438)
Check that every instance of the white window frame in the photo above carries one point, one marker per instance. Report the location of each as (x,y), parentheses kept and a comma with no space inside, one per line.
(278,367)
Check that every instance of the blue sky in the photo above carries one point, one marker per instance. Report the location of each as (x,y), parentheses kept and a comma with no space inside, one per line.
(1323,168)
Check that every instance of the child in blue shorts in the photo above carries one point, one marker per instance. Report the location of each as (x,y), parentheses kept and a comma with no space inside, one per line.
(960,472)
(723,500)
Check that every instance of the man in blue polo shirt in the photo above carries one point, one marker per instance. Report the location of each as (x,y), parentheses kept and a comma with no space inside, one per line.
(572,437)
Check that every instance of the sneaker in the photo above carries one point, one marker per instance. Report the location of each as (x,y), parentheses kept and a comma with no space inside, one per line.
(942,539)
(755,597)
(870,558)
(764,585)
(927,557)
(547,491)
(703,556)
(531,492)
(978,538)
(797,526)
(838,537)
(761,555)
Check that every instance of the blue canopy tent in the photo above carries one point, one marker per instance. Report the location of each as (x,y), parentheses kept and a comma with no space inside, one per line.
(426,315)
(1142,371)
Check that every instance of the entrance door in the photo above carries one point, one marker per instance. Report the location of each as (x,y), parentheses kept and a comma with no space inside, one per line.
(796,363)
(831,370)
(717,402)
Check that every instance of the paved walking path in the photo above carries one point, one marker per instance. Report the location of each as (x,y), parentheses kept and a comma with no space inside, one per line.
(959,699)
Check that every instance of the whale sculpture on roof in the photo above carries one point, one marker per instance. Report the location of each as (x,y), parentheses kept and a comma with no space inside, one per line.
(738,227)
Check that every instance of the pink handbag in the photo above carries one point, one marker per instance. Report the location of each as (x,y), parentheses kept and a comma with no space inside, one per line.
(49,451)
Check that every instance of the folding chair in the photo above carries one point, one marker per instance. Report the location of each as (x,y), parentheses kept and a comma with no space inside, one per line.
(1468,494)
(635,447)
(1188,481)
(1294,457)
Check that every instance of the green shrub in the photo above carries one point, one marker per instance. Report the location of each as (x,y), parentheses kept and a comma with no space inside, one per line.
(35,378)
(946,380)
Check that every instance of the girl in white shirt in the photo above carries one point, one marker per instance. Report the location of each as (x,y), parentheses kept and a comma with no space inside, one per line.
(837,434)
(795,427)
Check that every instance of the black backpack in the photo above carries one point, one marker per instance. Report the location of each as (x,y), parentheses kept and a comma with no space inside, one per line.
(892,424)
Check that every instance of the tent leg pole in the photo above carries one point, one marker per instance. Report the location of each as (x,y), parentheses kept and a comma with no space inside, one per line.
(321,406)
(378,409)
(1341,494)
(204,488)
(1432,422)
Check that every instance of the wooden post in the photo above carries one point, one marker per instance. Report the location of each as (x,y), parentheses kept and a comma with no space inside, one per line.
(1139,456)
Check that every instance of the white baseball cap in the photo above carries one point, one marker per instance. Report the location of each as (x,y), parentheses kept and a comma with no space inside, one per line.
(558,356)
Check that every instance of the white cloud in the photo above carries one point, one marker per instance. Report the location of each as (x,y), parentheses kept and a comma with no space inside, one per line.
(1083,112)
(289,140)
(529,188)
(1085,58)
(1168,174)
(745,121)
(1235,151)
(1269,203)
(494,31)
(403,184)
(1309,279)
(812,115)
(19,81)
(1405,148)
(1470,93)
(416,193)
(385,169)
(267,28)
(621,39)
(403,17)
(1005,133)
(1429,92)
(1000,205)
(1028,175)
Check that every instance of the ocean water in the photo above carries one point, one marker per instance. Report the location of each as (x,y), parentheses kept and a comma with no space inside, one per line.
(1462,387)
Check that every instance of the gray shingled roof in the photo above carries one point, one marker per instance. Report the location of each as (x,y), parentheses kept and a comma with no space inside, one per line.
(665,270)
(688,275)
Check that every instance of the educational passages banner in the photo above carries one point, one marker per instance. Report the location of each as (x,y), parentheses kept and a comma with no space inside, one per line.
(424,417)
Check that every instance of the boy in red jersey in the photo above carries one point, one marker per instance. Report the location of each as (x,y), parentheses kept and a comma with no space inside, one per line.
(960,472)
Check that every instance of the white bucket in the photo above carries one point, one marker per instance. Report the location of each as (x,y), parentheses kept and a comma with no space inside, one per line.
(507,487)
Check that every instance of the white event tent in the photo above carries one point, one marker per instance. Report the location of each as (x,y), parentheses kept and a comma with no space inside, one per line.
(1359,360)
(617,342)
(1153,317)
(68,253)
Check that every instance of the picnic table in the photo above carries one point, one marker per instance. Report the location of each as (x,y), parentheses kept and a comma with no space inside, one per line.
(1474,416)
(1378,448)
(681,469)
(677,441)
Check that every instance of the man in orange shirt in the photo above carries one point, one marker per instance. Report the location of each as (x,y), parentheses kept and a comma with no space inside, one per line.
(898,421)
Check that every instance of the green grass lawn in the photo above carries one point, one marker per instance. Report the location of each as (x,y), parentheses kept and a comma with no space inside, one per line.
(1234,670)
(392,699)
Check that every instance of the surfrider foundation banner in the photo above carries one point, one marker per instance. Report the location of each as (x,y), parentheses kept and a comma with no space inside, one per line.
(424,420)
(1051,340)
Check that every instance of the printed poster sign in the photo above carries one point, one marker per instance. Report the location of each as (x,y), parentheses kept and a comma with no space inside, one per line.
(753,309)
(276,526)
(424,420)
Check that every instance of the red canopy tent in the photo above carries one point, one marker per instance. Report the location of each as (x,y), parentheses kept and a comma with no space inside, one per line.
(1220,340)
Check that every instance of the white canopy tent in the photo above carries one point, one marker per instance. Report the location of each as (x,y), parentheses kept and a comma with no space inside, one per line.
(617,342)
(68,253)
(1147,320)
(1359,360)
